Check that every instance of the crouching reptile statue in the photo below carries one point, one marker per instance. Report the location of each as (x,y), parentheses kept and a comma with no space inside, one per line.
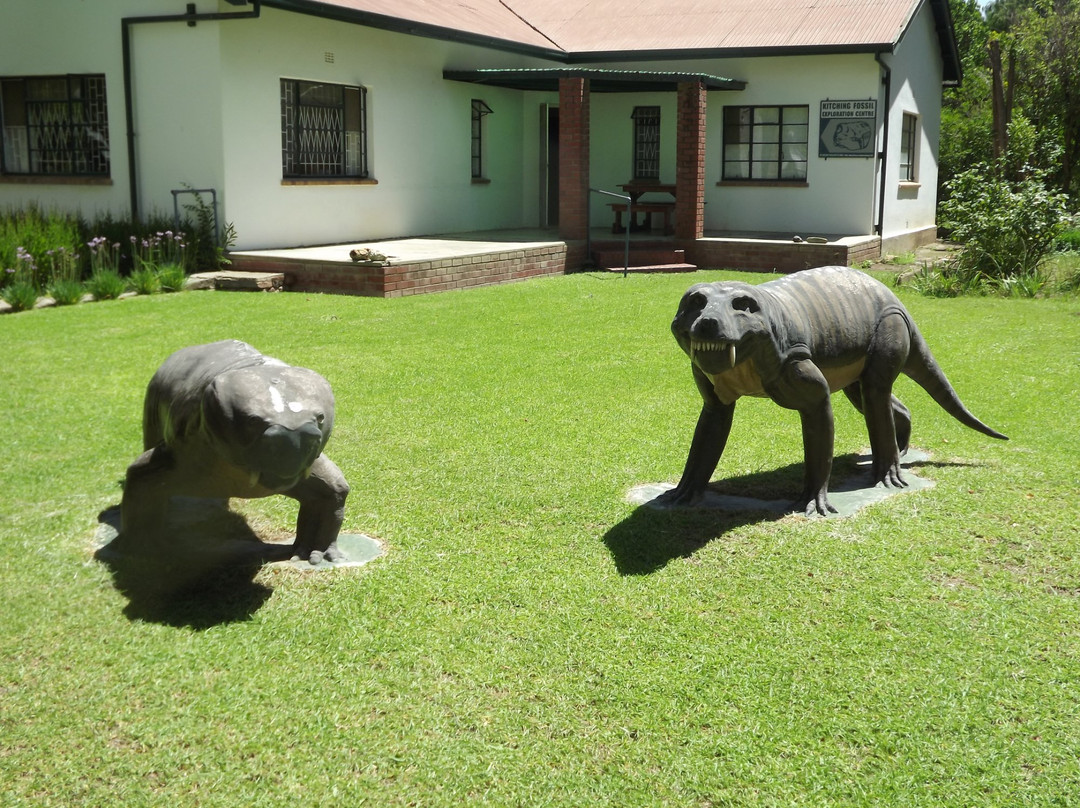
(796,340)
(222,420)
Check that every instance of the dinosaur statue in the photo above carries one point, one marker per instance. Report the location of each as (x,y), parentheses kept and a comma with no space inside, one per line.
(222,420)
(796,340)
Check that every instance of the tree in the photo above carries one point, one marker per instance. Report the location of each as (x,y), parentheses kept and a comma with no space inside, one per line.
(1047,37)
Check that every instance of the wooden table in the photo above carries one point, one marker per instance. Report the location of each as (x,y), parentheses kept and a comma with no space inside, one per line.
(635,190)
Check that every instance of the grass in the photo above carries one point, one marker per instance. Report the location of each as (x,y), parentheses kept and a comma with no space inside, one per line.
(530,638)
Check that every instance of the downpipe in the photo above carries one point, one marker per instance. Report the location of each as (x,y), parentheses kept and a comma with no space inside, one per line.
(191,17)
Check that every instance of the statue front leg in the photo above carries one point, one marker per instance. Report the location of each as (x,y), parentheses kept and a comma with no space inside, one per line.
(145,504)
(817,433)
(710,438)
(322,497)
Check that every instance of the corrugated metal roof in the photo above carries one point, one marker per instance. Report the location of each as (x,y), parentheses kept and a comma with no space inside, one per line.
(634,25)
(584,30)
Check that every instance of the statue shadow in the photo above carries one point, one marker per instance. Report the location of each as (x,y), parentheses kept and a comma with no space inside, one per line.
(651,537)
(200,574)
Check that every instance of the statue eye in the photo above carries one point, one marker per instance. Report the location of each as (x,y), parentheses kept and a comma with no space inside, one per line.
(747,304)
(697,300)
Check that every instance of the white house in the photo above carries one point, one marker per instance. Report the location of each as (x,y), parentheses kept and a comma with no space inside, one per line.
(347,121)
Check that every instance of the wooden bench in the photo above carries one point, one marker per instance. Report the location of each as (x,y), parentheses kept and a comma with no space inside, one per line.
(648,208)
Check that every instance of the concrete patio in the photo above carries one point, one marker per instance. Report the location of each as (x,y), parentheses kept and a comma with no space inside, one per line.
(417,265)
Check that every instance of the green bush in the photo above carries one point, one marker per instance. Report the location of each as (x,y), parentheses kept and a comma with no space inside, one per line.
(1068,241)
(145,280)
(21,295)
(1007,227)
(172,277)
(106,284)
(66,291)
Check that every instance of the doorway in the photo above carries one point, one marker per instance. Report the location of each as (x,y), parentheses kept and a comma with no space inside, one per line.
(549,165)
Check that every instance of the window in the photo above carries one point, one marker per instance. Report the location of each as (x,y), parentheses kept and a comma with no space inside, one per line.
(54,126)
(909,141)
(646,143)
(479,110)
(323,130)
(766,143)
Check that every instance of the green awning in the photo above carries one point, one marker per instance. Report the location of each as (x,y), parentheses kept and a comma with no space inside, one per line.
(601,80)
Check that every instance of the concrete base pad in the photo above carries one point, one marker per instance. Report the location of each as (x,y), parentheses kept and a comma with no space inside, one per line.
(848,495)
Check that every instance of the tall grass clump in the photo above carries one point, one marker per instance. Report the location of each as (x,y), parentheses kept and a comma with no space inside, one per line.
(65,284)
(20,289)
(105,282)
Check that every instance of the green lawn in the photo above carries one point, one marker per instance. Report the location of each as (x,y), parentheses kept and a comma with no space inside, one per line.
(530,638)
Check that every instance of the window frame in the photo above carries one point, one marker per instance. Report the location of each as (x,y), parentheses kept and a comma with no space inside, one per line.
(759,143)
(477,141)
(646,163)
(346,160)
(909,148)
(77,126)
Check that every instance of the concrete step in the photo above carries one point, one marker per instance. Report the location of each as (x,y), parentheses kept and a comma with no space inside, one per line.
(235,280)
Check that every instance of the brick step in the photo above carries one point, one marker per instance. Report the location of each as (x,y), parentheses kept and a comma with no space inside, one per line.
(639,256)
(658,268)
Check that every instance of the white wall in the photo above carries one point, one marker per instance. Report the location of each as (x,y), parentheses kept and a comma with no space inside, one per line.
(207,107)
(839,192)
(418,136)
(916,88)
(55,38)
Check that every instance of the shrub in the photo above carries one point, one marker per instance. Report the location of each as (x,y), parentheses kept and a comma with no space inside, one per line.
(66,292)
(145,280)
(21,295)
(1007,227)
(106,284)
(1068,241)
(172,277)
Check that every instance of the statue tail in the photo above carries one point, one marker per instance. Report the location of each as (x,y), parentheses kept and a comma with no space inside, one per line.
(925,371)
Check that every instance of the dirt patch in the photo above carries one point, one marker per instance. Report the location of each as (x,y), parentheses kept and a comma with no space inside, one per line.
(927,255)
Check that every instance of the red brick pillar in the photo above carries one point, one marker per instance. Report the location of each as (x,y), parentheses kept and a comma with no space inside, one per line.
(690,162)
(573,159)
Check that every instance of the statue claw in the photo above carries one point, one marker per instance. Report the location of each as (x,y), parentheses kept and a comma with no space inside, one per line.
(816,505)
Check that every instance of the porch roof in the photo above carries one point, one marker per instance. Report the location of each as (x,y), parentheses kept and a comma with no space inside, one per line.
(600,80)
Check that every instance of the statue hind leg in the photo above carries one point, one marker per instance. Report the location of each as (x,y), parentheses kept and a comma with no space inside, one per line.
(901,415)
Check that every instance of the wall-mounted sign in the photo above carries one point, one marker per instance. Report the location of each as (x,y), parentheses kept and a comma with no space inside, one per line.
(847,128)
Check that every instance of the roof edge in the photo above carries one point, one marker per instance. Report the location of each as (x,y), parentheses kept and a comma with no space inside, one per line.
(314,8)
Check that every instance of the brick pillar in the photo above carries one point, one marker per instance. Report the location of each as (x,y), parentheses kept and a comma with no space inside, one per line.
(690,162)
(573,158)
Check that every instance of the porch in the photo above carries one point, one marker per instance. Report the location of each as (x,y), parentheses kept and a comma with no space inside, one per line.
(418,265)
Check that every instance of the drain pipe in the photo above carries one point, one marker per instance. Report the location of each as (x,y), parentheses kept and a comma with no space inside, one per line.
(190,17)
(883,155)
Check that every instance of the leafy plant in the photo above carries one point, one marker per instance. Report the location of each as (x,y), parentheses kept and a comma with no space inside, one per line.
(1007,227)
(106,284)
(209,246)
(1068,241)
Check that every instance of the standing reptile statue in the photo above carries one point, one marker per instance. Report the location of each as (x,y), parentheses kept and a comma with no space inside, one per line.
(222,420)
(796,340)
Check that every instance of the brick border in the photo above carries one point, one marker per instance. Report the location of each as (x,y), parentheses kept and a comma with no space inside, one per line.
(399,280)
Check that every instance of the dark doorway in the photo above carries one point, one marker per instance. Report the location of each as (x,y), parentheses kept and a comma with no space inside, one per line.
(549,166)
